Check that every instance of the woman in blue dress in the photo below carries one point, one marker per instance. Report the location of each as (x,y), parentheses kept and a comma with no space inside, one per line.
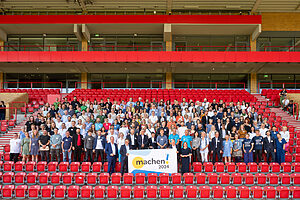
(280,149)
(227,149)
(34,146)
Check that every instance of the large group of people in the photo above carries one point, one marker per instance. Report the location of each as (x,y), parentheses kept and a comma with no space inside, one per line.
(199,131)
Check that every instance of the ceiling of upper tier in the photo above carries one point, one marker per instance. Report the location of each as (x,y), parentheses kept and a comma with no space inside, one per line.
(151,5)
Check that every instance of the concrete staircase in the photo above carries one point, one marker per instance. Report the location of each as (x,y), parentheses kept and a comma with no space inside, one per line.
(5,138)
(285,116)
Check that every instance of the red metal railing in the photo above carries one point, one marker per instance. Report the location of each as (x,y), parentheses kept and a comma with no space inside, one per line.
(25,105)
(43,47)
(294,48)
(31,84)
(276,83)
(131,85)
(125,47)
(296,111)
(226,48)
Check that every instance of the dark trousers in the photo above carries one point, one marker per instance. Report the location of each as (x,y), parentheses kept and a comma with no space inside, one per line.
(77,154)
(257,156)
(124,166)
(14,157)
(111,164)
(216,153)
(99,152)
(2,116)
(270,154)
(89,154)
(196,154)
(55,154)
(45,156)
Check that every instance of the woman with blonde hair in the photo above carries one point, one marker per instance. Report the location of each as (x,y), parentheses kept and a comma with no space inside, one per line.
(34,146)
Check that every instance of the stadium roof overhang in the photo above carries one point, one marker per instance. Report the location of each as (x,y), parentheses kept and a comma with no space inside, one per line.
(134,24)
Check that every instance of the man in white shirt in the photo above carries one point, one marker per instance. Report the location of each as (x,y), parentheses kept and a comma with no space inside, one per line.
(63,130)
(153,118)
(181,129)
(15,148)
(112,134)
(124,129)
(263,130)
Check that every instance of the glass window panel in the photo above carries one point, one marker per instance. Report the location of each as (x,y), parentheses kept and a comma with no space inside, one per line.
(264,76)
(182,80)
(297,44)
(201,81)
(32,43)
(57,78)
(238,80)
(26,80)
(114,80)
(221,80)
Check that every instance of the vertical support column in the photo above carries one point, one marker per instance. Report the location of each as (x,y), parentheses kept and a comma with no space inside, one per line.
(168,36)
(1,45)
(168,80)
(84,80)
(252,44)
(253,82)
(1,80)
(84,45)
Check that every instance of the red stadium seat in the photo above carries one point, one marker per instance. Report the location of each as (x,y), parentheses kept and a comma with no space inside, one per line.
(46,192)
(74,167)
(52,167)
(128,179)
(285,179)
(295,178)
(165,192)
(208,167)
(164,178)
(253,168)
(212,178)
(96,168)
(274,167)
(30,166)
(8,166)
(217,192)
(178,192)
(80,178)
(200,179)
(286,167)
(112,192)
(224,179)
(295,190)
(140,178)
(152,178)
(60,192)
(67,178)
(86,192)
(236,179)
(204,192)
(8,178)
(264,167)
(21,191)
(188,178)
(73,192)
(41,166)
(19,166)
(283,192)
(55,178)
(244,192)
(32,178)
(270,192)
(99,192)
(125,192)
(91,178)
(260,179)
(219,167)
(7,191)
(176,178)
(257,192)
(116,178)
(248,179)
(241,167)
(197,167)
(34,192)
(231,192)
(104,178)
(86,167)
(138,192)
(63,167)
(20,178)
(151,192)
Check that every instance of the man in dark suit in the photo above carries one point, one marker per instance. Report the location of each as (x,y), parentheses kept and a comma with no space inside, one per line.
(111,150)
(205,119)
(218,125)
(269,145)
(133,142)
(152,141)
(143,140)
(216,147)
(77,143)
(124,156)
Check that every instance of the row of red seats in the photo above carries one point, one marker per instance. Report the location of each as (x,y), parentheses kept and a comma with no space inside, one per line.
(197,167)
(31,91)
(248,179)
(150,192)
(5,125)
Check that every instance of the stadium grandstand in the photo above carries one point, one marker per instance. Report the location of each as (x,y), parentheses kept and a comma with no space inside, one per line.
(148,99)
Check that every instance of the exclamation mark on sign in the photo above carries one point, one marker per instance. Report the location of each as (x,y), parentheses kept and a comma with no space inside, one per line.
(167,159)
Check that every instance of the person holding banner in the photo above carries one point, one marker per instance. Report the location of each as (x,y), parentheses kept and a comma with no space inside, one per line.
(111,150)
(124,157)
(185,154)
